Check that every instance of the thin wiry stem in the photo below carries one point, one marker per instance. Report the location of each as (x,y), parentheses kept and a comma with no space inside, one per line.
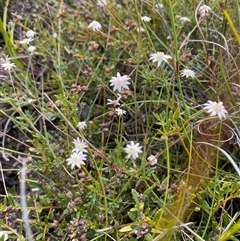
(3,180)
(25,216)
(3,138)
(226,154)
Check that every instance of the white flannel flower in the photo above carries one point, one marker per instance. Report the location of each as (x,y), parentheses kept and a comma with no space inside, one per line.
(214,108)
(102,3)
(152,160)
(26,41)
(81,125)
(204,9)
(114,102)
(120,112)
(184,19)
(159,57)
(133,150)
(32,48)
(95,26)
(80,145)
(7,65)
(76,159)
(120,82)
(146,19)
(188,73)
(30,34)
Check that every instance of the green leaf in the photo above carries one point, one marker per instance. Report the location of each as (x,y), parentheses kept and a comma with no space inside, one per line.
(135,196)
(149,190)
(131,216)
(158,215)
(229,234)
(126,229)
(148,237)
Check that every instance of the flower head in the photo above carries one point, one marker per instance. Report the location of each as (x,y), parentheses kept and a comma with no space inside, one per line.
(32,48)
(159,57)
(120,82)
(26,41)
(30,34)
(95,26)
(187,73)
(80,145)
(152,160)
(76,159)
(102,3)
(120,112)
(7,65)
(114,102)
(184,19)
(204,9)
(140,29)
(159,6)
(81,125)
(214,108)
(133,149)
(146,19)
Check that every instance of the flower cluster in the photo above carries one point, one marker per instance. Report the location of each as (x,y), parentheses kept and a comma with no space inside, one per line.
(119,83)
(29,38)
(78,156)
